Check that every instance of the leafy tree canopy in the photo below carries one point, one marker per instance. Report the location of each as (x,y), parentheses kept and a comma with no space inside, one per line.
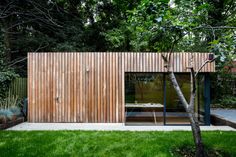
(115,25)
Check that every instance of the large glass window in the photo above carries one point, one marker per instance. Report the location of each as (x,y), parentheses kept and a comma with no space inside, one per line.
(144,97)
(199,101)
(175,111)
(151,98)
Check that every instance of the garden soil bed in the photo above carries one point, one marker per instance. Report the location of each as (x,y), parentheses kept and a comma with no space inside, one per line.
(11,123)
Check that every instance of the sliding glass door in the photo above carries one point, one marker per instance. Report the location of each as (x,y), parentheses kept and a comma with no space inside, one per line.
(151,99)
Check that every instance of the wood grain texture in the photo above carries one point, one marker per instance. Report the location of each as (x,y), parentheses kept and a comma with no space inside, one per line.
(89,86)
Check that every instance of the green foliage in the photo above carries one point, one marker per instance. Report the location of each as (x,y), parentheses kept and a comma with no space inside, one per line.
(6,74)
(223,80)
(222,85)
(115,38)
(119,25)
(6,77)
(156,25)
(225,48)
(228,101)
(189,26)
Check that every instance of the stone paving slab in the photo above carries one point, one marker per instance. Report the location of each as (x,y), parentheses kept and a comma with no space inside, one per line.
(109,127)
(227,114)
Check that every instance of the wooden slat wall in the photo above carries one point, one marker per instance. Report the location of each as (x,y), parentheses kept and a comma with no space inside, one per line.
(153,62)
(89,87)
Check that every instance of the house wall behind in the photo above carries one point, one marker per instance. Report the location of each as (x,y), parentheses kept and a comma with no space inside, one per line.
(89,87)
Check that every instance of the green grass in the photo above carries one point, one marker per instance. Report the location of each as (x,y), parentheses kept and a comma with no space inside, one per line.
(107,144)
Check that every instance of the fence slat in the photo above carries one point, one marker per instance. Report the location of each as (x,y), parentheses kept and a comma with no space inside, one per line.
(18,87)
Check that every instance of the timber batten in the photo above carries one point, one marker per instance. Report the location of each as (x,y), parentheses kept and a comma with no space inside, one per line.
(89,86)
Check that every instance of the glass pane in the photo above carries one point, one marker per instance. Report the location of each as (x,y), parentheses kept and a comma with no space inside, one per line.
(144,98)
(175,112)
(200,99)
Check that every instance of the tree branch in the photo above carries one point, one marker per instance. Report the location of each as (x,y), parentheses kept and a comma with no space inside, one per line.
(193,91)
(22,59)
(18,61)
(204,63)
(214,27)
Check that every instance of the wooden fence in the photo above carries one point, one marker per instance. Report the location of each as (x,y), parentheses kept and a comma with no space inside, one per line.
(18,87)
(89,87)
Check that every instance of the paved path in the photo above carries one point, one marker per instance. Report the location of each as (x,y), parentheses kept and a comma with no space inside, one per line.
(109,127)
(227,114)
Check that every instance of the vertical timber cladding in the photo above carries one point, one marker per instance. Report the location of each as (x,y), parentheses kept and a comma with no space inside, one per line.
(89,86)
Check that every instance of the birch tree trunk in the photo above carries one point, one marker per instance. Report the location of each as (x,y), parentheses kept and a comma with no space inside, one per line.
(189,107)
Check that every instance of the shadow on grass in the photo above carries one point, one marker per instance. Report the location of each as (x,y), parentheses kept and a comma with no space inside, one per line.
(189,151)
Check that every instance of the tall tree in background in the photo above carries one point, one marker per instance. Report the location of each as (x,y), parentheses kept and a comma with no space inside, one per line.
(23,23)
(56,25)
(118,25)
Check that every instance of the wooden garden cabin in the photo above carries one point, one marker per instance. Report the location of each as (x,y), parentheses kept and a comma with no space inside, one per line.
(91,87)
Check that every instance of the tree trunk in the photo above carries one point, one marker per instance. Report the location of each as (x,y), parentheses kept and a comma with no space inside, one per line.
(189,107)
(197,136)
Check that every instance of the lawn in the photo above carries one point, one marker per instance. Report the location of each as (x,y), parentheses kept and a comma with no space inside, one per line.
(107,144)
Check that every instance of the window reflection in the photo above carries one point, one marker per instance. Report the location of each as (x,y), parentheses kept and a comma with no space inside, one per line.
(144,99)
(175,111)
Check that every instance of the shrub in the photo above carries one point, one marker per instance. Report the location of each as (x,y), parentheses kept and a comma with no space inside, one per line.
(6,76)
(10,101)
(228,101)
(9,109)
(16,110)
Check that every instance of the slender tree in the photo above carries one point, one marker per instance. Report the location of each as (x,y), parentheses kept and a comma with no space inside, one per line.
(189,106)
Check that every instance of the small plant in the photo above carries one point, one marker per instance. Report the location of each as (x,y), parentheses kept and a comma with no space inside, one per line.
(7,103)
(9,109)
